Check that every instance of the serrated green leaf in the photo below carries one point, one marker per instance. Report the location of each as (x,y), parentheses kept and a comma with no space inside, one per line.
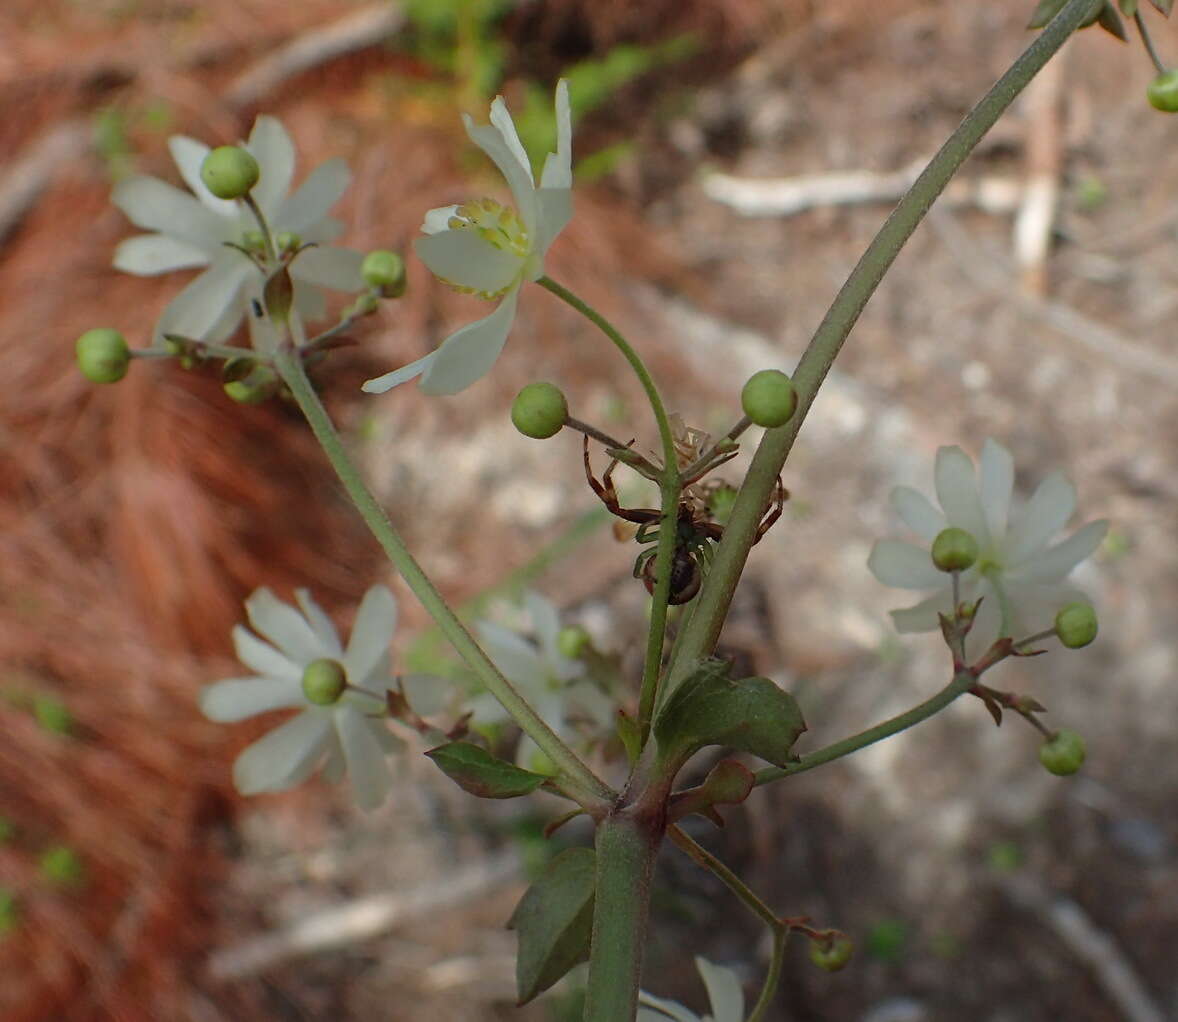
(476,771)
(554,920)
(709,708)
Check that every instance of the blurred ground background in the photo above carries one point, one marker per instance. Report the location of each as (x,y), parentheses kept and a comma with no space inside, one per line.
(134,884)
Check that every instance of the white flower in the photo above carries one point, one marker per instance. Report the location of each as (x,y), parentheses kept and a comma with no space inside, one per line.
(724,994)
(487,249)
(192,231)
(1018,573)
(555,685)
(348,734)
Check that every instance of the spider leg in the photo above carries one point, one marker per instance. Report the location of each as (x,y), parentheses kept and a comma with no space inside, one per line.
(609,496)
(780,496)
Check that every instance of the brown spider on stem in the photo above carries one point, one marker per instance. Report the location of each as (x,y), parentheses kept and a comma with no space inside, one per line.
(696,529)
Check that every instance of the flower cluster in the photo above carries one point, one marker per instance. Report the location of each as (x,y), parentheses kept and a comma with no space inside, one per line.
(555,685)
(487,249)
(346,733)
(1019,574)
(202,230)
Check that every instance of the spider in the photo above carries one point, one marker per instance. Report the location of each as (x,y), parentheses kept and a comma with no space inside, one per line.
(696,532)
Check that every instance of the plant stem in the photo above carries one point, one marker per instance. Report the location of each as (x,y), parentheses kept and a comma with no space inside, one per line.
(592,790)
(669,491)
(1145,38)
(769,987)
(627,846)
(756,492)
(702,857)
(962,682)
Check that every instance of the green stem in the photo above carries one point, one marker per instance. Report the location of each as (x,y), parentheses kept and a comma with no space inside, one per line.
(962,682)
(769,987)
(627,846)
(757,490)
(264,227)
(1145,38)
(581,779)
(669,491)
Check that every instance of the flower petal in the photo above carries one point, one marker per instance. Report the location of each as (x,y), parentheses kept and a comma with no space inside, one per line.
(379,384)
(369,643)
(558,166)
(468,354)
(145,255)
(189,154)
(546,627)
(285,627)
(211,306)
(320,624)
(511,161)
(314,197)
(426,693)
(724,991)
(284,757)
(665,1010)
(367,769)
(918,512)
(996,474)
(517,658)
(157,206)
(241,698)
(922,617)
(1055,563)
(1048,510)
(309,302)
(271,146)
(554,209)
(438,219)
(463,257)
(957,492)
(904,565)
(262,657)
(330,267)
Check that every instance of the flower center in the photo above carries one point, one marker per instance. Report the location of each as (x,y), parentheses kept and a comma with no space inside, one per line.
(496,224)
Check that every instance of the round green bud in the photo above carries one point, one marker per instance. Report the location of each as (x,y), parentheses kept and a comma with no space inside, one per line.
(1163,92)
(250,383)
(229,172)
(384,271)
(832,954)
(103,355)
(572,642)
(287,241)
(254,241)
(1063,753)
(1075,625)
(324,681)
(539,410)
(954,550)
(769,398)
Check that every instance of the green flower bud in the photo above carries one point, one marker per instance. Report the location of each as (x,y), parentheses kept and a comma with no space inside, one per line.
(954,550)
(1075,625)
(365,305)
(769,398)
(539,410)
(254,241)
(324,681)
(1163,92)
(572,641)
(103,355)
(1063,753)
(229,172)
(248,382)
(61,866)
(287,241)
(833,953)
(384,271)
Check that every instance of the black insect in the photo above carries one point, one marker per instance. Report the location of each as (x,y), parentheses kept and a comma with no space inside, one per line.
(696,531)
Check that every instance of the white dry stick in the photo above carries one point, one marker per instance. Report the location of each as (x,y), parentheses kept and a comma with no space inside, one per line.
(361,919)
(1090,944)
(1035,220)
(787,196)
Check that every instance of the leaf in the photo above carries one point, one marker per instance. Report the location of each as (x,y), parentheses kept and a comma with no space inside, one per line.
(475,770)
(1044,12)
(709,708)
(1165,6)
(1128,7)
(1110,21)
(554,920)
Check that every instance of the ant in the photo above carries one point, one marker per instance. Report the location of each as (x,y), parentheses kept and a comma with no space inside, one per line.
(695,528)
